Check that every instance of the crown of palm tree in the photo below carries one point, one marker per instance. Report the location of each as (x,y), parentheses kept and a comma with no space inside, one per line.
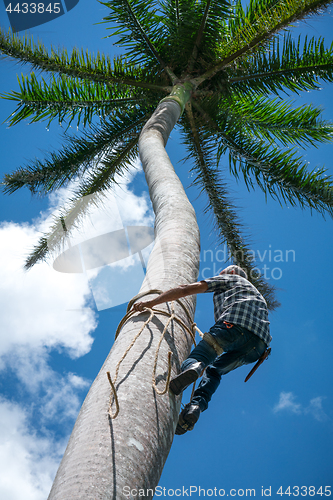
(232,63)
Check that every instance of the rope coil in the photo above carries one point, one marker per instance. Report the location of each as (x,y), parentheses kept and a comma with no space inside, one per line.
(153,312)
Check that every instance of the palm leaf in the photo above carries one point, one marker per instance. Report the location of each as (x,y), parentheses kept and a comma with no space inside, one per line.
(274,120)
(192,31)
(78,155)
(138,27)
(291,68)
(181,20)
(66,99)
(253,30)
(90,193)
(210,32)
(81,64)
(279,173)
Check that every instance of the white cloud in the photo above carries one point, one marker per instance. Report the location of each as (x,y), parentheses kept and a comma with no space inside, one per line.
(287,402)
(61,397)
(28,462)
(40,307)
(315,409)
(49,392)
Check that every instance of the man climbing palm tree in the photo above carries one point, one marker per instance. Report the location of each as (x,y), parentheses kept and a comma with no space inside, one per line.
(241,332)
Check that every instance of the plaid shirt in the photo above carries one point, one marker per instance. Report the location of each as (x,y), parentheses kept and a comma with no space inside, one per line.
(238,302)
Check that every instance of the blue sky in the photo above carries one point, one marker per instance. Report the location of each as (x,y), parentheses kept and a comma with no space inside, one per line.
(276,430)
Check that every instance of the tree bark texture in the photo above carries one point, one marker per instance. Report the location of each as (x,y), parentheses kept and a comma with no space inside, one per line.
(106,458)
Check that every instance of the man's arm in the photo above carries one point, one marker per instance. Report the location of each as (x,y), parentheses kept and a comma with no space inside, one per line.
(173,294)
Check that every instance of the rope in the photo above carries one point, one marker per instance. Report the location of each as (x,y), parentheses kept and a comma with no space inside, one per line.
(113,383)
(153,312)
(172,316)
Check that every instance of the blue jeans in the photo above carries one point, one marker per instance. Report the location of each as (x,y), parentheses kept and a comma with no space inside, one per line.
(240,347)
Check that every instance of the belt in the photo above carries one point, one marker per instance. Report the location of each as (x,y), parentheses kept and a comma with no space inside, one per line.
(213,343)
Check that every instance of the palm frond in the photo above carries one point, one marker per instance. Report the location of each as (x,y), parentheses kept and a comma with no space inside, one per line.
(81,64)
(139,28)
(64,223)
(77,156)
(254,30)
(66,99)
(290,68)
(115,161)
(274,120)
(227,222)
(192,30)
(210,33)
(90,193)
(181,20)
(279,173)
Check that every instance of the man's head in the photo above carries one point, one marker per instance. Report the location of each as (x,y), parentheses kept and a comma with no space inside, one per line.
(234,270)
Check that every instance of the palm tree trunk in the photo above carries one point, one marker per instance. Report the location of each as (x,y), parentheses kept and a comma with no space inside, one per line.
(105,459)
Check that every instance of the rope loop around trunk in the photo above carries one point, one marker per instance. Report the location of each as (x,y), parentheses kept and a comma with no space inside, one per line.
(171,316)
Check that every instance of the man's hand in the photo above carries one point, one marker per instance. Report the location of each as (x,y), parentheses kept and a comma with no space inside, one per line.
(139,306)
